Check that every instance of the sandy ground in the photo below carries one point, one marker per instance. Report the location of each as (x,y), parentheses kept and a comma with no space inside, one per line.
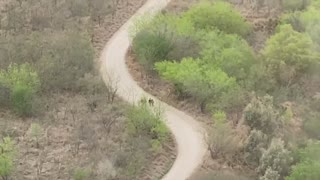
(188,133)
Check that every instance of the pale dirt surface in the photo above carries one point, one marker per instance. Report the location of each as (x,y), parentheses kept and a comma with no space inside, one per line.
(188,133)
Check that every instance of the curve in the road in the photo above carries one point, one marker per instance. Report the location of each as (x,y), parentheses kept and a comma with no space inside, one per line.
(187,132)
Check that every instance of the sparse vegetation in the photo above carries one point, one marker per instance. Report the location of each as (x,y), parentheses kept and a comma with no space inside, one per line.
(54,104)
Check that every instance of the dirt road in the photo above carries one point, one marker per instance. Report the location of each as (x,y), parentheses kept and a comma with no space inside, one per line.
(187,132)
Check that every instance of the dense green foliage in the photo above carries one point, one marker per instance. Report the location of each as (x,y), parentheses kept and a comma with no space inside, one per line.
(227,51)
(309,163)
(151,48)
(205,83)
(219,15)
(163,37)
(288,54)
(22,83)
(307,21)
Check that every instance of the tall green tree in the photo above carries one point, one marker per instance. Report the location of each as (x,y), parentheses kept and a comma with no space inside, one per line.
(288,54)
(309,164)
(219,15)
(228,52)
(206,84)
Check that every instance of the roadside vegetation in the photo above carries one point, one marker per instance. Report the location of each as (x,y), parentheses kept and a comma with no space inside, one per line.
(264,104)
(58,119)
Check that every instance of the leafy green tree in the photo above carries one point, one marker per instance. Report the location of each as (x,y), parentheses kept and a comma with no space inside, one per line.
(219,15)
(309,164)
(288,54)
(228,52)
(151,48)
(305,170)
(162,37)
(204,83)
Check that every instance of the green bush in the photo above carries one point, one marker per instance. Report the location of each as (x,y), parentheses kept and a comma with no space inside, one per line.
(206,84)
(261,115)
(143,121)
(23,82)
(288,54)
(163,37)
(21,99)
(81,174)
(219,117)
(151,48)
(275,161)
(309,164)
(20,75)
(219,15)
(228,52)
(294,20)
(307,21)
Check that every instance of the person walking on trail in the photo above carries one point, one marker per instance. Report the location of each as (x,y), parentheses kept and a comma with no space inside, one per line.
(151,102)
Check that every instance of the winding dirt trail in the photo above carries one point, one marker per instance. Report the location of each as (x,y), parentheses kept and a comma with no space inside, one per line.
(187,132)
